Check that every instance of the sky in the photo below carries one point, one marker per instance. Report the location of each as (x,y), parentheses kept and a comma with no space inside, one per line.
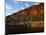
(13,6)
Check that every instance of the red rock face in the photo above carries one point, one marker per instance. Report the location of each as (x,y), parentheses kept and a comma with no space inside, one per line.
(27,20)
(34,10)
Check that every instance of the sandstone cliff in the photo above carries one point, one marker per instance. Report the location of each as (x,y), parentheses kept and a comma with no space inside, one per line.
(24,20)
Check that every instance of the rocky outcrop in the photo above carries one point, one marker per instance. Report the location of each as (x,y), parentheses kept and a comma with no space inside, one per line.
(22,21)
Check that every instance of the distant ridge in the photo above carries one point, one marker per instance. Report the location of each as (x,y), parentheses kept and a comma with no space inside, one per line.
(34,10)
